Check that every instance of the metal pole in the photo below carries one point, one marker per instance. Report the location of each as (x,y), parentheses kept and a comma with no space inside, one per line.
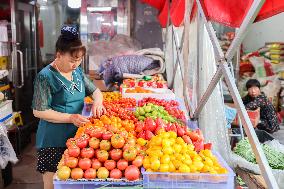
(259,154)
(216,78)
(249,19)
(217,48)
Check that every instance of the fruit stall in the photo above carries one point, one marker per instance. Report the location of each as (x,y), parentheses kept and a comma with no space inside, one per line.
(140,143)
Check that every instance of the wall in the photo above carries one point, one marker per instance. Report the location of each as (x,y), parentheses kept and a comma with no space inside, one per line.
(269,30)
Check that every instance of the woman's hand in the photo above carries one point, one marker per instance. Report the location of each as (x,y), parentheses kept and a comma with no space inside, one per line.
(98,110)
(78,120)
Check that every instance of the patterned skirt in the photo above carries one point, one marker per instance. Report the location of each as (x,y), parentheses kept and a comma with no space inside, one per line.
(48,159)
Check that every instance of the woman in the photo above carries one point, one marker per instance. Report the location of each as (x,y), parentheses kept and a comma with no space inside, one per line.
(59,91)
(256,99)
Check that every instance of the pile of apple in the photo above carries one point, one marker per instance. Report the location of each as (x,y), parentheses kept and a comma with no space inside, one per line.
(170,106)
(153,111)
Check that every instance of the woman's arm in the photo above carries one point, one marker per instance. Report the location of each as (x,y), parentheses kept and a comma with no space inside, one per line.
(98,97)
(58,117)
(98,107)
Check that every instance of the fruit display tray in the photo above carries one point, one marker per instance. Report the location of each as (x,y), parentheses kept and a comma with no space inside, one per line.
(190,180)
(165,94)
(95,183)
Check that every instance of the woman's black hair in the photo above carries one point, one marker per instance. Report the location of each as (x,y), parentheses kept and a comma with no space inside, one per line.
(252,83)
(69,42)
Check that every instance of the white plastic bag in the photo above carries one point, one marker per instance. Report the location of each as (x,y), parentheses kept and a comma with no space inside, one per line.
(241,162)
(7,152)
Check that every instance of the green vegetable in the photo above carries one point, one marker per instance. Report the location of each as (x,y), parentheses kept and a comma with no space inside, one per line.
(274,157)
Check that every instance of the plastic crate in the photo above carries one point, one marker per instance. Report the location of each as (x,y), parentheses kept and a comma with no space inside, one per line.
(190,180)
(96,183)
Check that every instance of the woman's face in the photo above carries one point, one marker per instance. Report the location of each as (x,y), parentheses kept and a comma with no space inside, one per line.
(68,62)
(254,91)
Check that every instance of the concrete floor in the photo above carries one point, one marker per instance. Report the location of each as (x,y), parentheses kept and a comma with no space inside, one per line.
(25,175)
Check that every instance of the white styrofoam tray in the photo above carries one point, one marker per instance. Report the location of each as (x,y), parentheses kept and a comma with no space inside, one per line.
(166,94)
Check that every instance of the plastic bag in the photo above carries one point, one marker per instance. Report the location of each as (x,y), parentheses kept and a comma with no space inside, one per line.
(230,115)
(241,162)
(100,50)
(275,144)
(7,152)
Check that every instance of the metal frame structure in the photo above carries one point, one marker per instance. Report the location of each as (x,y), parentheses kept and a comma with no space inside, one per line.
(224,70)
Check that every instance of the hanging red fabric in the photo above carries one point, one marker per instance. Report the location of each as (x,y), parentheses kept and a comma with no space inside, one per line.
(227,12)
(233,12)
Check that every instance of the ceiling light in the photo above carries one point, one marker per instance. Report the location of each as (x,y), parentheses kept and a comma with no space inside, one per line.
(74,4)
(93,9)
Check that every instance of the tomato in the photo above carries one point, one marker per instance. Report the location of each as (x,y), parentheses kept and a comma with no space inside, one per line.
(73,151)
(130,154)
(77,173)
(102,173)
(139,126)
(193,136)
(131,140)
(94,143)
(116,154)
(110,164)
(90,174)
(141,135)
(116,174)
(129,127)
(102,155)
(71,142)
(81,142)
(127,146)
(199,132)
(117,141)
(112,128)
(64,173)
(150,124)
(87,153)
(208,146)
(89,130)
(124,134)
(85,136)
(96,164)
(71,162)
(105,145)
(85,163)
(198,145)
(97,133)
(122,164)
(187,139)
(138,148)
(107,135)
(132,173)
(138,162)
(173,128)
(149,135)
(180,131)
